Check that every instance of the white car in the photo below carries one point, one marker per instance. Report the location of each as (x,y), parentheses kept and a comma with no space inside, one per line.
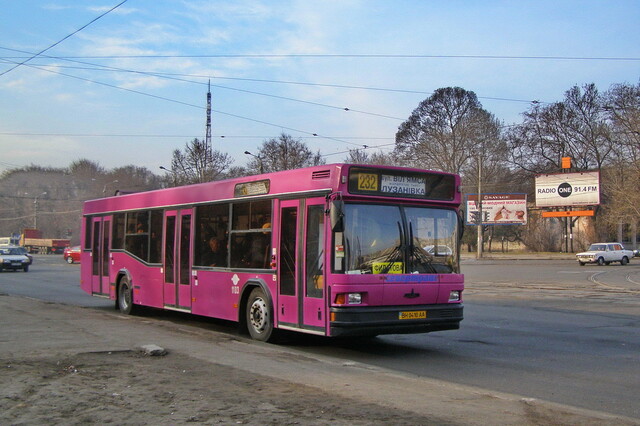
(604,254)
(12,258)
(439,250)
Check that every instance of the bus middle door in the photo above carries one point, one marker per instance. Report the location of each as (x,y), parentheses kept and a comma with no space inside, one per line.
(300,268)
(177,259)
(288,265)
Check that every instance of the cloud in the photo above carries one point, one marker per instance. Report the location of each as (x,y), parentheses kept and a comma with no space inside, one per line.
(119,11)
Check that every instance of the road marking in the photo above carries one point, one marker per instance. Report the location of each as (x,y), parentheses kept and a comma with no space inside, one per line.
(631,281)
(593,278)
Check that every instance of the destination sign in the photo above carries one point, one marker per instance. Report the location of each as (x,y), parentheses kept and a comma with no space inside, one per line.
(251,188)
(410,185)
(403,184)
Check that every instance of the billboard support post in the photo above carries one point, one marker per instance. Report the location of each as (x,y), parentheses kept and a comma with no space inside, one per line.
(479,242)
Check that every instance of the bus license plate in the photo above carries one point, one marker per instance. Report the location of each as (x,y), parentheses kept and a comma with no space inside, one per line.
(409,315)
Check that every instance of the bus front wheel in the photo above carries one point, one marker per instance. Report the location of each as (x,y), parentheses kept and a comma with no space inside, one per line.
(125,296)
(259,316)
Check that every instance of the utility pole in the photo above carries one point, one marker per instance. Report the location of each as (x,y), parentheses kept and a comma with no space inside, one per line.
(479,202)
(35,210)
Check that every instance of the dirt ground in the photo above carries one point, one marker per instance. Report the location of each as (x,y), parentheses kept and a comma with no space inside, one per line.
(128,388)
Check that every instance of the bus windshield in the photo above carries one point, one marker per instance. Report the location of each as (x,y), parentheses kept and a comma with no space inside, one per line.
(384,239)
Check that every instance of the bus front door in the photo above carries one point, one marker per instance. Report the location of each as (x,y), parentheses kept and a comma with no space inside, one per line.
(301,265)
(101,237)
(177,259)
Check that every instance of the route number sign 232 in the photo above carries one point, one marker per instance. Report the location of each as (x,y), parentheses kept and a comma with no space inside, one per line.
(367,182)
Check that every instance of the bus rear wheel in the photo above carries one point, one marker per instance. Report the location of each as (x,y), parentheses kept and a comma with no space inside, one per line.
(125,296)
(259,316)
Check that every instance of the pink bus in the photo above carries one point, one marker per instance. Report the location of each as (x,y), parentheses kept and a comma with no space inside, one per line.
(333,250)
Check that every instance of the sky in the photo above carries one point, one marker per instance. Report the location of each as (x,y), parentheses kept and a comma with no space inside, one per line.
(129,85)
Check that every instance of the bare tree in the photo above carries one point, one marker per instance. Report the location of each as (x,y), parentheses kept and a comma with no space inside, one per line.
(446,131)
(623,204)
(623,107)
(130,178)
(283,153)
(360,156)
(198,163)
(60,193)
(577,127)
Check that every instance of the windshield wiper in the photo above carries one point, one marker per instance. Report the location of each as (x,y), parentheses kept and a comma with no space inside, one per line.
(417,253)
(390,259)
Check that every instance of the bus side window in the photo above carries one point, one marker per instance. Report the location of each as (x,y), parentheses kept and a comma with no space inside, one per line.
(87,233)
(137,236)
(155,237)
(117,240)
(251,235)
(212,235)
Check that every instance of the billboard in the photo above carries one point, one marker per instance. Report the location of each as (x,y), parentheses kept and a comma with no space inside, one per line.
(498,209)
(568,189)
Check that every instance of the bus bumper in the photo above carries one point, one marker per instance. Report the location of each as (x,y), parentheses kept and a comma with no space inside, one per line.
(371,321)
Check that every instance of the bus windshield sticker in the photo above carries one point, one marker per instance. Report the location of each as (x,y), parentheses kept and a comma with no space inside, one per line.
(251,188)
(388,267)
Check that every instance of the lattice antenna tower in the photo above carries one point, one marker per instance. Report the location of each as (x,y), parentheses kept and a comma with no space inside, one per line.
(207,138)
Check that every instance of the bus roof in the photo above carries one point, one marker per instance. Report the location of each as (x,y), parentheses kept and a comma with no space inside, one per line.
(319,180)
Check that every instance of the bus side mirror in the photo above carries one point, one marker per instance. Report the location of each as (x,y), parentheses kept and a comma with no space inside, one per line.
(460,223)
(336,213)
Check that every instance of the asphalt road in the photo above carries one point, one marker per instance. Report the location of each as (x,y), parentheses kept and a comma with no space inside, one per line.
(546,329)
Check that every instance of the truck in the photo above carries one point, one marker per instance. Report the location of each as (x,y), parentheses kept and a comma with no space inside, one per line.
(10,241)
(33,241)
(604,254)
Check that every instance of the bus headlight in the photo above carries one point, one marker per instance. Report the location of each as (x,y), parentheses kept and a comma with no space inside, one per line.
(454,296)
(354,298)
(349,299)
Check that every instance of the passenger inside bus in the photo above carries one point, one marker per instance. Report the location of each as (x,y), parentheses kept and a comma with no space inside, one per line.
(216,255)
(257,247)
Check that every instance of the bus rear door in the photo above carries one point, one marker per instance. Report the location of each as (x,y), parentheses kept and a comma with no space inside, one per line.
(101,237)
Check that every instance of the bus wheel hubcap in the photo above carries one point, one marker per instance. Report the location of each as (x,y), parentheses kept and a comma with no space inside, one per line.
(258,315)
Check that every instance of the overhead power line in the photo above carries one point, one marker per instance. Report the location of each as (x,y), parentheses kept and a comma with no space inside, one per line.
(139,135)
(318,135)
(63,39)
(175,76)
(363,55)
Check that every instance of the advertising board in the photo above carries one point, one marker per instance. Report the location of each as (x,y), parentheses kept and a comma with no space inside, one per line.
(568,189)
(498,209)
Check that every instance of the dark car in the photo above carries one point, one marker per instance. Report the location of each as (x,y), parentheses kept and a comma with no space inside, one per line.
(72,254)
(24,251)
(12,258)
